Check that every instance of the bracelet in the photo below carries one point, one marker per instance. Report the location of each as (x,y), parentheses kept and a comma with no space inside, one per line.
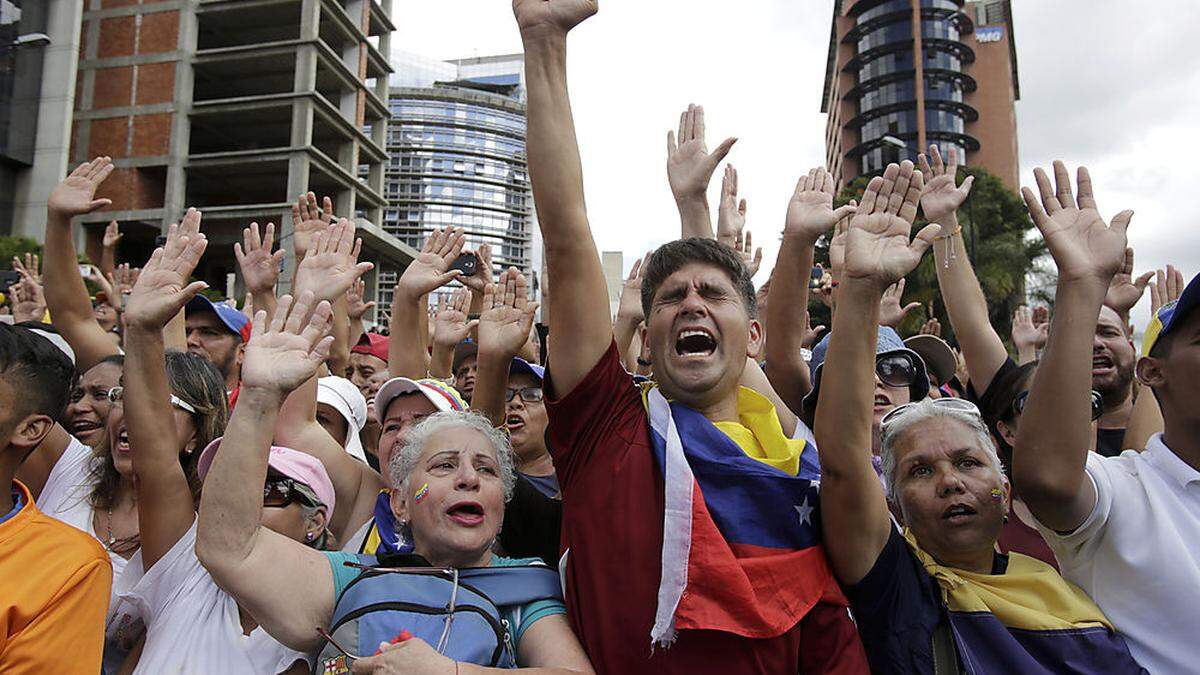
(942,237)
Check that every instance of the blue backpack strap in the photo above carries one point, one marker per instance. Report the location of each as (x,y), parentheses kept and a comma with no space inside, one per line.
(517,585)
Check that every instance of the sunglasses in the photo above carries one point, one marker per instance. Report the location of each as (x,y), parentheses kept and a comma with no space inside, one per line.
(117,395)
(527,394)
(955,404)
(282,492)
(1018,405)
(896,370)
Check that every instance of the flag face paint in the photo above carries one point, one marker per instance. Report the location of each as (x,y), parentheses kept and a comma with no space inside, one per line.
(421,494)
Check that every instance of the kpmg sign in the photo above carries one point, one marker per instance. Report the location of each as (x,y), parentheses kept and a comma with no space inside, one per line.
(989,33)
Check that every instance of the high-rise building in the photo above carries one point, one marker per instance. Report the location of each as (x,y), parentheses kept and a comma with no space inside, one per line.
(236,108)
(904,74)
(457,155)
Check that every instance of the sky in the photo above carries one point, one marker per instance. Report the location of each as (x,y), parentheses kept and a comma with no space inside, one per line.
(1104,83)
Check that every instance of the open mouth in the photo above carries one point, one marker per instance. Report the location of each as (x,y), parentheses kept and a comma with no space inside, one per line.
(84,426)
(695,342)
(1101,364)
(514,422)
(958,513)
(468,514)
(882,401)
(123,441)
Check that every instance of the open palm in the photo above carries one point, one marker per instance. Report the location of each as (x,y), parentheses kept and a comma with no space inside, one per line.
(507,316)
(450,324)
(331,267)
(288,352)
(810,211)
(308,221)
(428,271)
(690,165)
(162,288)
(877,240)
(75,195)
(941,196)
(561,15)
(260,267)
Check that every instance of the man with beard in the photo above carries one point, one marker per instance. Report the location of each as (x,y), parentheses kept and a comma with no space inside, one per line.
(1113,361)
(626,456)
(216,331)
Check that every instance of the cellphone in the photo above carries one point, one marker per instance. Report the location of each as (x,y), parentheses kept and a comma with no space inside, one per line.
(160,241)
(815,276)
(86,271)
(7,279)
(466,263)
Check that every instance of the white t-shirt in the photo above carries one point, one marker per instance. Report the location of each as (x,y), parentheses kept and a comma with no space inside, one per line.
(192,626)
(1138,553)
(66,497)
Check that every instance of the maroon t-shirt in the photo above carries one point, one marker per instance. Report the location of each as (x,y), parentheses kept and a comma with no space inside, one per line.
(599,438)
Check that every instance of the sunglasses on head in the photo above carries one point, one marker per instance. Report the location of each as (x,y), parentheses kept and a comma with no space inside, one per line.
(956,404)
(280,492)
(117,395)
(896,370)
(527,394)
(1018,405)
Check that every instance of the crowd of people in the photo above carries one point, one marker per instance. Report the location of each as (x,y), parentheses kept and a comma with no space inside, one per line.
(662,491)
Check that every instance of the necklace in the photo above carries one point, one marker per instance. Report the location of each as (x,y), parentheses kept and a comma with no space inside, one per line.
(111,539)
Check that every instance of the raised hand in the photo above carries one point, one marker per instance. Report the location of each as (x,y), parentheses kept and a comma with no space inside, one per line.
(690,165)
(355,305)
(629,307)
(30,269)
(507,316)
(536,18)
(1083,246)
(450,322)
(287,353)
(744,245)
(428,272)
(124,278)
(1026,334)
(308,221)
(891,312)
(28,300)
(812,334)
(1167,287)
(810,211)
(331,267)
(112,234)
(941,197)
(1124,291)
(878,248)
(931,327)
(837,243)
(75,195)
(162,289)
(731,213)
(260,267)
(483,274)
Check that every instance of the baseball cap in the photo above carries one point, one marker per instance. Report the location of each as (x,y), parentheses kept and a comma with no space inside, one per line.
(230,317)
(463,351)
(1172,314)
(937,355)
(291,463)
(443,397)
(373,344)
(887,342)
(520,365)
(341,394)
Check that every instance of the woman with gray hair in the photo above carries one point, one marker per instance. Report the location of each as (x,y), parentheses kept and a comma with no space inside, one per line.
(452,476)
(934,597)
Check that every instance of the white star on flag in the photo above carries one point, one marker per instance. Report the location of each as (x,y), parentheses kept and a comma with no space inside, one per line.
(805,511)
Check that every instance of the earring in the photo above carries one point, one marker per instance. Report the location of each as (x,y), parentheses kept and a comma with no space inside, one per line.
(308,536)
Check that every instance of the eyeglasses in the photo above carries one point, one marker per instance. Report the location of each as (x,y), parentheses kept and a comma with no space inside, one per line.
(955,404)
(281,492)
(528,394)
(896,370)
(1097,401)
(117,395)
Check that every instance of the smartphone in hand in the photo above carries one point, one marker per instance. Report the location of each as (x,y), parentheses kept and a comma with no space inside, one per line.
(467,263)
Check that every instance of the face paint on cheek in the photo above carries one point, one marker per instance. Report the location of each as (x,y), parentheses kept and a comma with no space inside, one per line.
(997,494)
(421,494)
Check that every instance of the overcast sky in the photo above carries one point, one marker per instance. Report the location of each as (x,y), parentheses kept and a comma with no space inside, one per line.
(1105,83)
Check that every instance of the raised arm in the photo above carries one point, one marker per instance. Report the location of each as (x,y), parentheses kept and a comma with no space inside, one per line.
(690,167)
(165,507)
(504,328)
(1053,438)
(810,214)
(451,325)
(580,326)
(878,253)
(262,569)
(108,255)
(407,356)
(1124,291)
(966,306)
(66,295)
(259,266)
(630,315)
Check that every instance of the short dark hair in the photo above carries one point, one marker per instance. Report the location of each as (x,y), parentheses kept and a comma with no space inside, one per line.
(671,257)
(38,370)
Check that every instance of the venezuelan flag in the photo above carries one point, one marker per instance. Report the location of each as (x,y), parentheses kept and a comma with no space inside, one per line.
(1028,620)
(741,546)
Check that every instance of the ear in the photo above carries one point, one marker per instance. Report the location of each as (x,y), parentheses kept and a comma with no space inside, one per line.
(399,502)
(1006,486)
(1150,372)
(754,345)
(644,335)
(1008,432)
(241,353)
(29,432)
(316,523)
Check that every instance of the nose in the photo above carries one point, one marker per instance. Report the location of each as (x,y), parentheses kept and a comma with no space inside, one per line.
(1097,343)
(950,484)
(467,478)
(516,403)
(193,338)
(693,303)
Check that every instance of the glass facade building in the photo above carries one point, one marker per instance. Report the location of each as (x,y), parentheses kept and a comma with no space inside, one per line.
(899,78)
(457,157)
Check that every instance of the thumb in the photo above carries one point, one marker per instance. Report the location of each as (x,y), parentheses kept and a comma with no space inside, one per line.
(843,211)
(719,153)
(98,204)
(909,307)
(1120,222)
(965,188)
(1143,280)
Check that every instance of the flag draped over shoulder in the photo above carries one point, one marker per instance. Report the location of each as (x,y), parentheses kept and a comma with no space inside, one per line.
(1027,620)
(741,547)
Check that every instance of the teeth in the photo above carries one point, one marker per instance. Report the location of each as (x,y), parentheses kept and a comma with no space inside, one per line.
(690,333)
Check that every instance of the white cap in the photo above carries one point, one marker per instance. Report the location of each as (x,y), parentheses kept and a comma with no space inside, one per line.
(344,397)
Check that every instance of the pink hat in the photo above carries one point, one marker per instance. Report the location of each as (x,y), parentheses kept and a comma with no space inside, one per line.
(294,464)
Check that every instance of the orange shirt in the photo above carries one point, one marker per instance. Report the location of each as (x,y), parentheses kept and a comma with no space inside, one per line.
(54,587)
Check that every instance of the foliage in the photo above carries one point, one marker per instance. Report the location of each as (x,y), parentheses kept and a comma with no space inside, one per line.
(13,246)
(1001,241)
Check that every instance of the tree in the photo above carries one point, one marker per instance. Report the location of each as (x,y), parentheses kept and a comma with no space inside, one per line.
(1001,242)
(14,246)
